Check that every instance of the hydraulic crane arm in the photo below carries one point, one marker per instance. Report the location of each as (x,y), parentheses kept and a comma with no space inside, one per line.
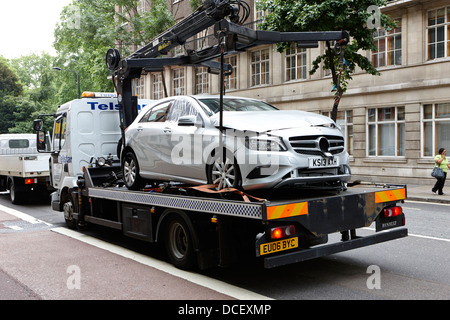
(232,36)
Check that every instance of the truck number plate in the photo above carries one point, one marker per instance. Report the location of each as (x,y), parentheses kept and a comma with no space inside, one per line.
(319,162)
(280,245)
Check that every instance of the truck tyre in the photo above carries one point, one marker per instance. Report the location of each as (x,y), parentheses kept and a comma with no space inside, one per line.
(15,196)
(130,171)
(68,206)
(179,244)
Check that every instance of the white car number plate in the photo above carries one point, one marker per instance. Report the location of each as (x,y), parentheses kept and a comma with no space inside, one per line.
(319,162)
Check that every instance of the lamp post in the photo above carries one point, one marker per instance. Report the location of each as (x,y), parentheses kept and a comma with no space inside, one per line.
(78,78)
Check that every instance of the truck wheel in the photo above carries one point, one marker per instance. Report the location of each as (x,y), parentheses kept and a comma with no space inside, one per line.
(16,197)
(71,223)
(130,170)
(178,243)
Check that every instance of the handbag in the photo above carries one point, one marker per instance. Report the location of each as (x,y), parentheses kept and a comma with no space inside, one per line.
(438,173)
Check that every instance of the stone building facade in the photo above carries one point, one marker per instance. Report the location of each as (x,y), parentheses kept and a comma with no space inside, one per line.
(394,123)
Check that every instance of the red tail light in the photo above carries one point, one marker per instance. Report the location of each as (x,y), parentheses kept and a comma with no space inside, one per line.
(30,181)
(282,232)
(392,212)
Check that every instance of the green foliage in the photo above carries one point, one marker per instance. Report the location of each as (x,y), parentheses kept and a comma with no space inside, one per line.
(195,4)
(87,29)
(9,82)
(140,27)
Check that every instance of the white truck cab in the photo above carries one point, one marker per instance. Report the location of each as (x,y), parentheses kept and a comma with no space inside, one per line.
(85,131)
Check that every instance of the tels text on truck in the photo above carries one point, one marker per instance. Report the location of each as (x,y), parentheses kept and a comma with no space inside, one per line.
(199,225)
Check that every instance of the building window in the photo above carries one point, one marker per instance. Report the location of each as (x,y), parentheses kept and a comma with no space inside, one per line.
(389,47)
(259,14)
(139,87)
(435,128)
(231,80)
(438,33)
(201,40)
(386,131)
(201,80)
(178,51)
(260,67)
(345,121)
(157,86)
(178,82)
(295,63)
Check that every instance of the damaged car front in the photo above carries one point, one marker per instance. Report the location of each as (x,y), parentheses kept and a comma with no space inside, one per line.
(287,148)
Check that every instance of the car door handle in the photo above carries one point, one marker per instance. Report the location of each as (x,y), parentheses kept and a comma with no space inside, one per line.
(139,129)
(167,130)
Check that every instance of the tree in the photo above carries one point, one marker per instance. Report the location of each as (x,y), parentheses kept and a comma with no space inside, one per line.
(82,37)
(10,90)
(36,76)
(88,28)
(9,82)
(358,17)
(137,27)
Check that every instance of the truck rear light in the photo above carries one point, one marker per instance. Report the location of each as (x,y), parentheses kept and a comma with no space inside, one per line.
(282,232)
(30,181)
(392,212)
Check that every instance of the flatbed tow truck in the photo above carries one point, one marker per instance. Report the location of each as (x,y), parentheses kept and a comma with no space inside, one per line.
(281,229)
(198,225)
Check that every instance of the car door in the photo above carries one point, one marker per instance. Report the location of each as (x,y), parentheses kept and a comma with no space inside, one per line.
(147,137)
(182,143)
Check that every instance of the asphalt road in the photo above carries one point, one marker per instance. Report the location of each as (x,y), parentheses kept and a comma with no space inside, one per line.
(415,267)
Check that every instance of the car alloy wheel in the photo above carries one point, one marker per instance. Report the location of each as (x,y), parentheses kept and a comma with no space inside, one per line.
(224,174)
(130,168)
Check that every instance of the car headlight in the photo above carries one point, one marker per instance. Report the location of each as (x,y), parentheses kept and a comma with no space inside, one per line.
(264,144)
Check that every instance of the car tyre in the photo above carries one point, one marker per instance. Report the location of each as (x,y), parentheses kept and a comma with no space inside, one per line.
(224,174)
(130,172)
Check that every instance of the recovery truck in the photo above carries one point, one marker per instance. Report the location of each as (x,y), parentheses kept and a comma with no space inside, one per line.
(199,225)
(22,168)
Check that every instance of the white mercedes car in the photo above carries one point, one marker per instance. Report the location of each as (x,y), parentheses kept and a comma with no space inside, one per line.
(258,146)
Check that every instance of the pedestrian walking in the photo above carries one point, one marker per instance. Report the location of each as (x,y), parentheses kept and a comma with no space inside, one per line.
(441,161)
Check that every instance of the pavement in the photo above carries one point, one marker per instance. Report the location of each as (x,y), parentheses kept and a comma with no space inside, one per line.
(424,193)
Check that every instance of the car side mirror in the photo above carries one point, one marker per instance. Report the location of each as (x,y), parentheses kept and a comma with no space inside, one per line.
(188,121)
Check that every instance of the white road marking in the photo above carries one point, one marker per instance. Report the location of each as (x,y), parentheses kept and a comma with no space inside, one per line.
(415,235)
(213,284)
(15,228)
(22,216)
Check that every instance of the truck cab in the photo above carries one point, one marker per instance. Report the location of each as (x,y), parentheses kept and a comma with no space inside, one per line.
(85,133)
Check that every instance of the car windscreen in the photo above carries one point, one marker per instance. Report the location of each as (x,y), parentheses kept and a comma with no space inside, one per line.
(235,104)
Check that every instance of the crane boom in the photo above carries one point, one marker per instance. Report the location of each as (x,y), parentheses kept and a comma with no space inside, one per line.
(232,37)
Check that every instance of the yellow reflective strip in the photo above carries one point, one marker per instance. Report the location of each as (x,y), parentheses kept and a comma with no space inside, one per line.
(288,210)
(275,212)
(390,195)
